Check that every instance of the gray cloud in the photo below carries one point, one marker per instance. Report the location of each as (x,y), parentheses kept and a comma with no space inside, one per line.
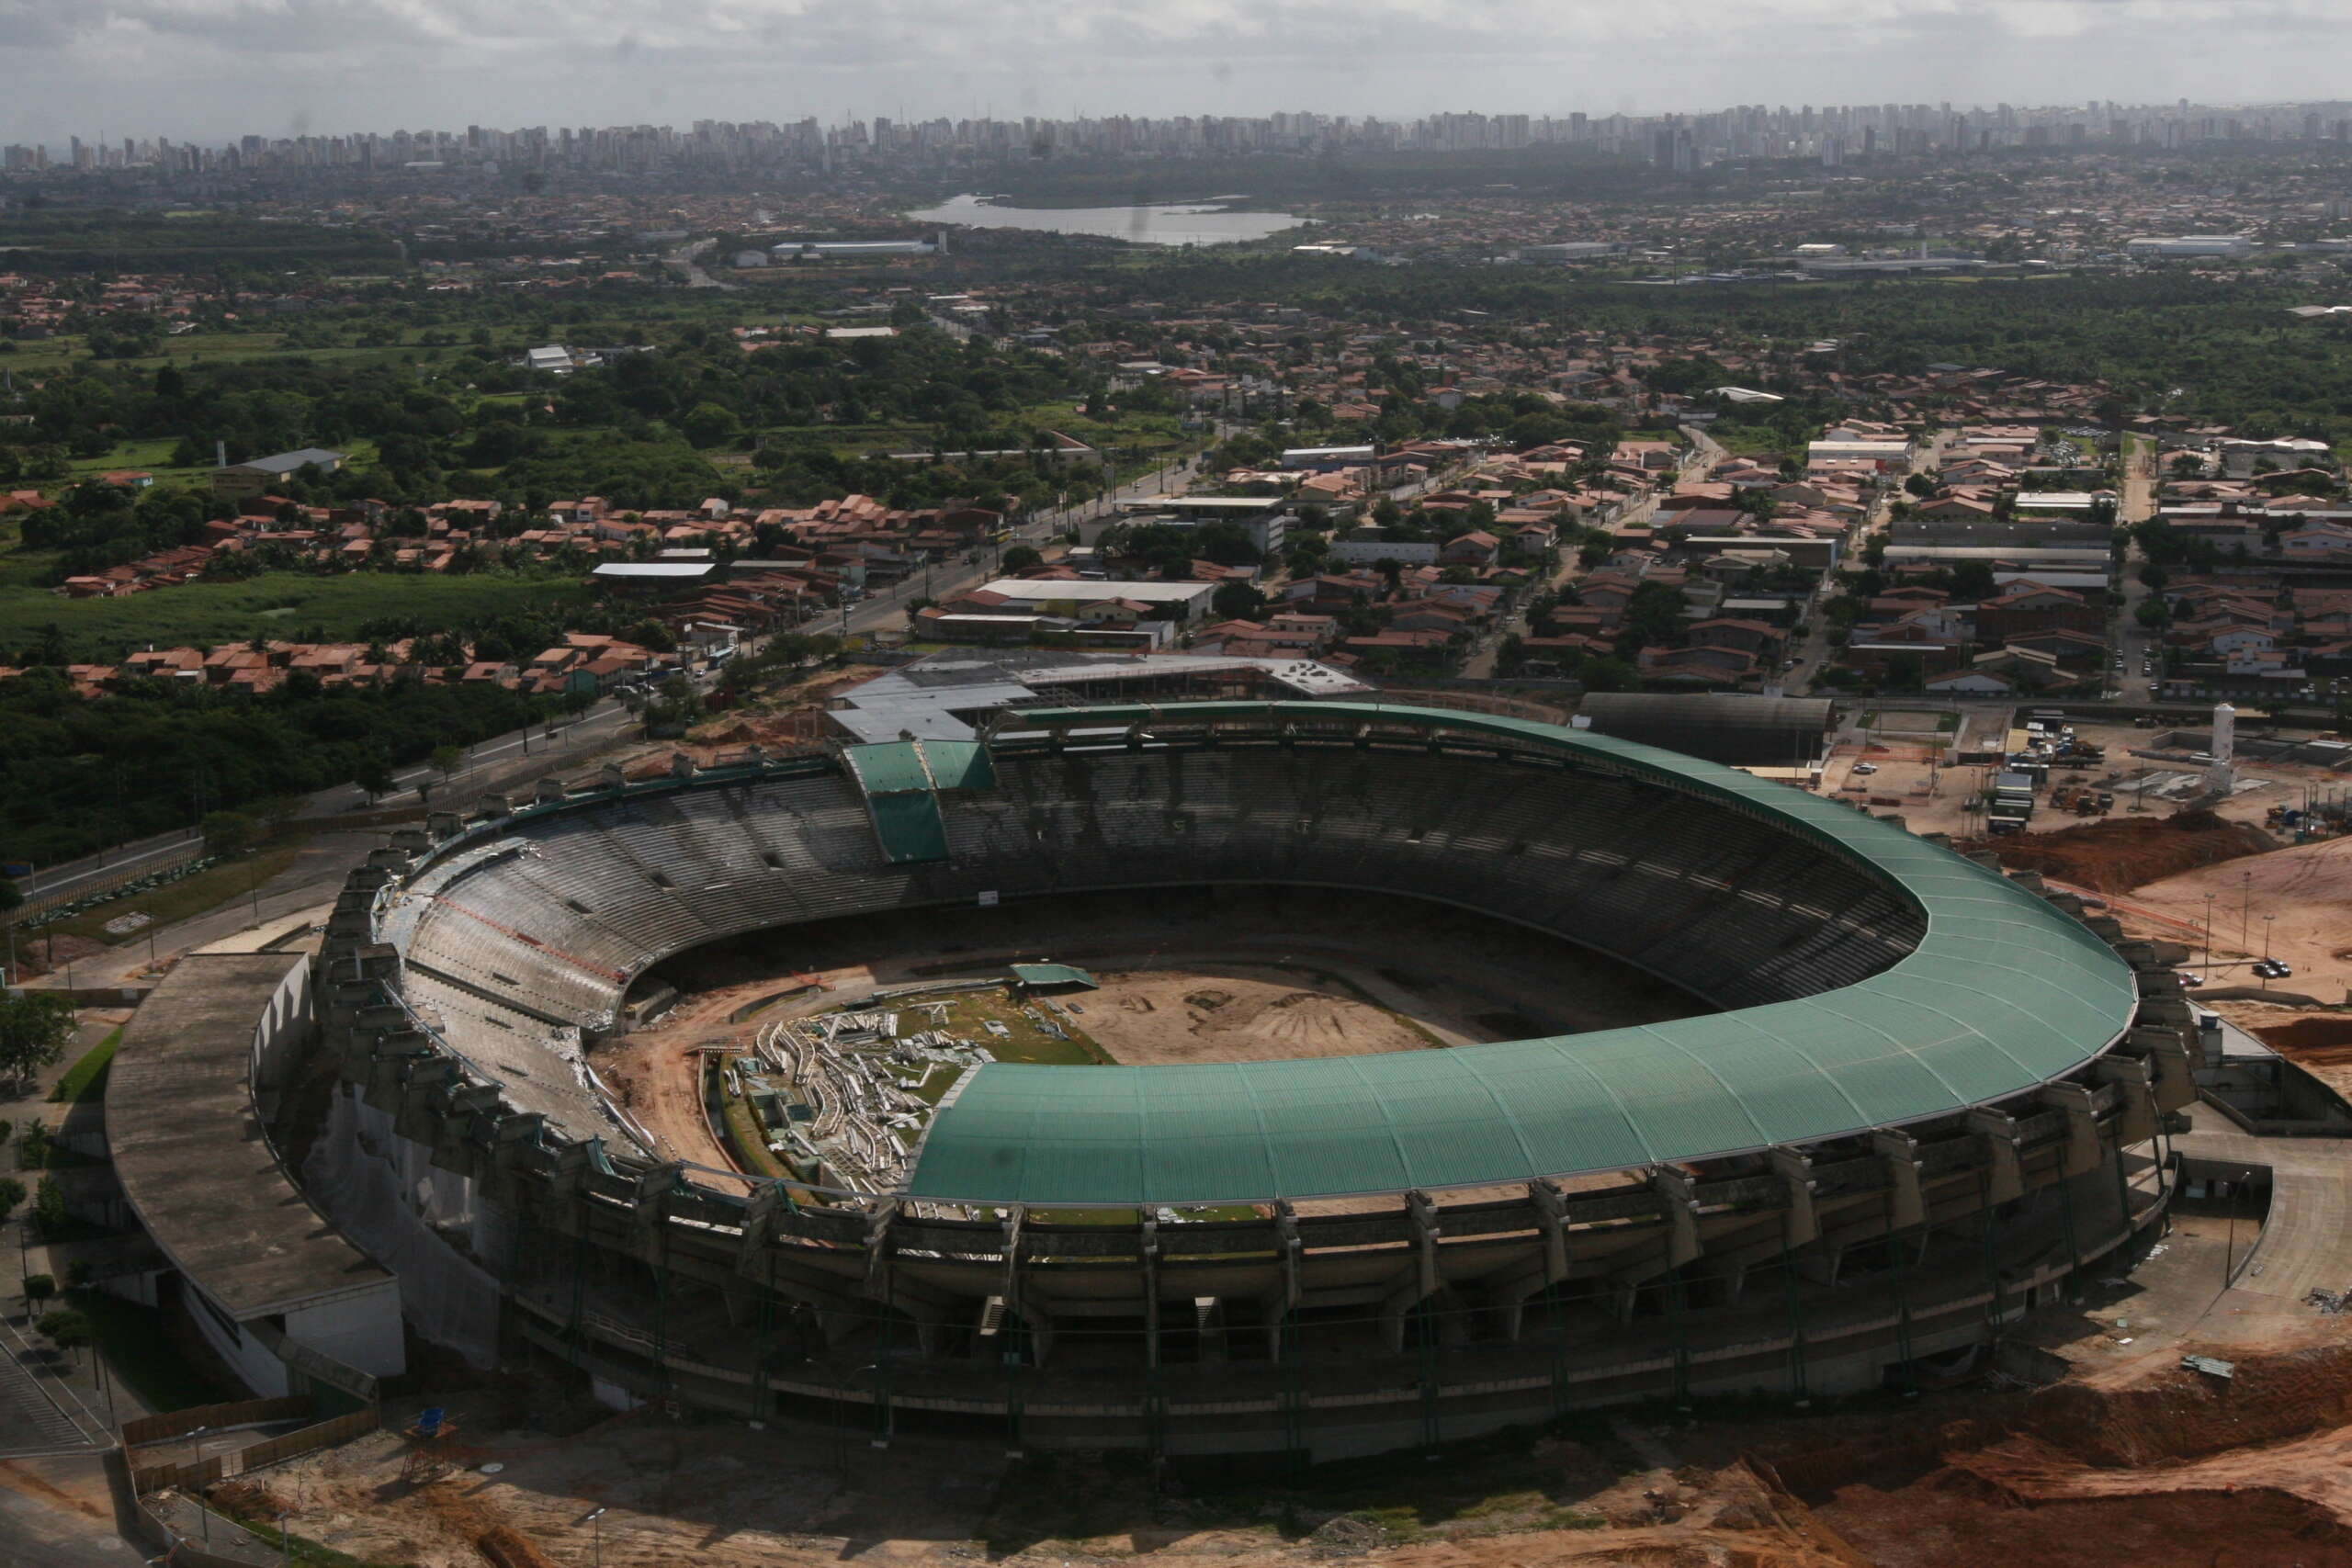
(219,67)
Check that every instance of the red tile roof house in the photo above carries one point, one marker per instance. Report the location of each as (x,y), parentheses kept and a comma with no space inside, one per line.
(1476,547)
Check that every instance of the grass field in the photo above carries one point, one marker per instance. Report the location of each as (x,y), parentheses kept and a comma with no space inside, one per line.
(86,1077)
(276,605)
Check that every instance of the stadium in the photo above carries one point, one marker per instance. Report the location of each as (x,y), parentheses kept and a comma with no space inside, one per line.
(1908,1100)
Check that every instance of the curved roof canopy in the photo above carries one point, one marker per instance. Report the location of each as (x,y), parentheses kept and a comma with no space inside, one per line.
(2004,993)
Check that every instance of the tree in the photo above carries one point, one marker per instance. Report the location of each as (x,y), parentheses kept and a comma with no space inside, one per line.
(49,1208)
(12,1192)
(1236,600)
(447,759)
(711,424)
(1021,559)
(66,1328)
(373,777)
(34,1029)
(227,832)
(39,1288)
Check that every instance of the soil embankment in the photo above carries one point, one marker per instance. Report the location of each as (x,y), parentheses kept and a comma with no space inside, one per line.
(2121,853)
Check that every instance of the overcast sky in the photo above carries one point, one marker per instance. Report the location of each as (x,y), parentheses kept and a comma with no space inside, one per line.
(211,69)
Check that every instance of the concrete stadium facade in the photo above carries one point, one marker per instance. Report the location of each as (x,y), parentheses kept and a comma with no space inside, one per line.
(1936,1096)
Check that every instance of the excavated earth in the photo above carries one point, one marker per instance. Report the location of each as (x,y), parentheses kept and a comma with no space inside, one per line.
(2121,853)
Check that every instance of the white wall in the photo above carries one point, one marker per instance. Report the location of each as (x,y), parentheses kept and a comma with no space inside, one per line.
(255,1365)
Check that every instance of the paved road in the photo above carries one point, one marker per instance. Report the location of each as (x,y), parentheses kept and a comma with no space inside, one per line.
(1814,653)
(36,1532)
(65,875)
(687,260)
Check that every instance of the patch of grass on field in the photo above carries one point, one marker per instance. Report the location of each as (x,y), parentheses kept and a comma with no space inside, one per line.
(190,895)
(275,604)
(968,1017)
(86,1078)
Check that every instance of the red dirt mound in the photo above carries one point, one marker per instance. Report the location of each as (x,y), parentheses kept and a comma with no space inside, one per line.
(2306,1032)
(2118,855)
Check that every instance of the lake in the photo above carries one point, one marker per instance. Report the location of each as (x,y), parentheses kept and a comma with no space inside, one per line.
(1158,223)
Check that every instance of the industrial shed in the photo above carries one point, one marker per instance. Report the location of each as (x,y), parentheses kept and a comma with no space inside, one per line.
(1739,731)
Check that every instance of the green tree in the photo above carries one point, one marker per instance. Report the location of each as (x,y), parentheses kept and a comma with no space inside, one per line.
(1022,559)
(39,1288)
(228,832)
(12,1193)
(374,776)
(447,759)
(711,424)
(49,1207)
(34,1029)
(1236,600)
(66,1328)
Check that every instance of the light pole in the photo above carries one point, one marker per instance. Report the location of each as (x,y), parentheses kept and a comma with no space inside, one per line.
(597,1538)
(2208,936)
(282,1538)
(2246,906)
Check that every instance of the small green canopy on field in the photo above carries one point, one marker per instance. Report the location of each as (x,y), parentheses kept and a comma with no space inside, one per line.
(1040,977)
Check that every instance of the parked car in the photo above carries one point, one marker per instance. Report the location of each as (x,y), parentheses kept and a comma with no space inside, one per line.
(1865,769)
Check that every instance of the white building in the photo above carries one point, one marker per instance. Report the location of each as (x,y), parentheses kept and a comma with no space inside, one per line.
(1060,596)
(2160,247)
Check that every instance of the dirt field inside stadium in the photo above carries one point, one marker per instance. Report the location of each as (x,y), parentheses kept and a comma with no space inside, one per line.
(1190,975)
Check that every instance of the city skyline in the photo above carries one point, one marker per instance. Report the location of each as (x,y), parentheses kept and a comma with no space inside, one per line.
(1831,132)
(219,68)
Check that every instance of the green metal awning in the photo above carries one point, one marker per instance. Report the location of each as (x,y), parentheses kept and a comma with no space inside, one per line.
(1052,975)
(901,780)
(2003,993)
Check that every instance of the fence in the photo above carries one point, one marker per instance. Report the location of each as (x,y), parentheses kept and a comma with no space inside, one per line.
(194,1475)
(212,1418)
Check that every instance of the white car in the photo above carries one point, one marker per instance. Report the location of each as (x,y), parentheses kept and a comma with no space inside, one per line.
(1865,769)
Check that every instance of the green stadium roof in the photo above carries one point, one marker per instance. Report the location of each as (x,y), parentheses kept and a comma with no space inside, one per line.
(2004,993)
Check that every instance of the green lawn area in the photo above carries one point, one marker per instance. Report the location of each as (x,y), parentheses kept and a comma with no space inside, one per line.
(190,895)
(86,1077)
(275,604)
(140,1353)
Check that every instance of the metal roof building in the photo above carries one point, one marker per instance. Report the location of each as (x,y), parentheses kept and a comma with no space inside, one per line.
(1730,728)
(2004,993)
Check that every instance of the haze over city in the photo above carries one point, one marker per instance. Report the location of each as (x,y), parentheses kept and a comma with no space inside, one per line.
(223,67)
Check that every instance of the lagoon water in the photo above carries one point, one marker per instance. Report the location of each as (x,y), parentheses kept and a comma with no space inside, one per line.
(1158,223)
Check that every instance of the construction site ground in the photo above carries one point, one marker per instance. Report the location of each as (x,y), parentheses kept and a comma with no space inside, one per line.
(2084,1457)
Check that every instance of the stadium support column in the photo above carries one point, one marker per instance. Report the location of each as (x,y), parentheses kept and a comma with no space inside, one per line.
(2003,1144)
(2084,1149)
(2135,1120)
(1510,1295)
(1150,1254)
(1898,1154)
(1283,1299)
(1678,1202)
(1422,1281)
(1035,1319)
(1800,1225)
